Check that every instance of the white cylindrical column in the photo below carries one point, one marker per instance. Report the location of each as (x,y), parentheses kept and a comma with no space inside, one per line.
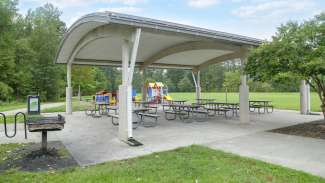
(243,97)
(125,112)
(198,88)
(144,87)
(304,98)
(308,98)
(196,80)
(125,97)
(68,95)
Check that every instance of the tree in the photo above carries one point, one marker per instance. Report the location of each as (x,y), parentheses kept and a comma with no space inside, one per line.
(175,76)
(232,81)
(47,30)
(185,85)
(297,49)
(8,13)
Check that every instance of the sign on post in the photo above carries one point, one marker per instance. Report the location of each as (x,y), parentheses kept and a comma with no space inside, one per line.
(33,104)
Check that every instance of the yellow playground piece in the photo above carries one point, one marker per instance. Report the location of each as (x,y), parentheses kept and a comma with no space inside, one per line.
(168,98)
(137,98)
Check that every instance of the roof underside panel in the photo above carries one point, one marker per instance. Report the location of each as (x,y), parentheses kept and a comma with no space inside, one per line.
(109,48)
(192,58)
(97,39)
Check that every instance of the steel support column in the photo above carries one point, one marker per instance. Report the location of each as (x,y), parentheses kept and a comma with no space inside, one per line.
(304,97)
(243,95)
(69,90)
(125,90)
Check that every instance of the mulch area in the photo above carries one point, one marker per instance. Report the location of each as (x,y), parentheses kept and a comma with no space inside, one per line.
(31,158)
(315,129)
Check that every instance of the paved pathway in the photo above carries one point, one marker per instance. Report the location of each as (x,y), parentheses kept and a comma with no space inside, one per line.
(43,106)
(300,153)
(93,141)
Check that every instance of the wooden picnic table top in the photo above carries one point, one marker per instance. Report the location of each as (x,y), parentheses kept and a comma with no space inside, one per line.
(142,102)
(222,103)
(179,101)
(260,101)
(134,110)
(140,110)
(185,105)
(114,107)
(102,103)
(205,99)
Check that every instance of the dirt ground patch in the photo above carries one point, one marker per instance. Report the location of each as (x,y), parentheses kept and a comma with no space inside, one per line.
(315,129)
(30,158)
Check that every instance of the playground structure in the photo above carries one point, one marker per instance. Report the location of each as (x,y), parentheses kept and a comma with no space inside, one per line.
(157,92)
(106,97)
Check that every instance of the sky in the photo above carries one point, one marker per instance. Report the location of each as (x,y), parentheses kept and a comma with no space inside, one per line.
(253,18)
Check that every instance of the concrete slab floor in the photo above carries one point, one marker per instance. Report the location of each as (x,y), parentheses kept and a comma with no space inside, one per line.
(94,140)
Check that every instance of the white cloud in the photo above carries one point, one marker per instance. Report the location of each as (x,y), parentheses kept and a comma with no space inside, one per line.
(274,9)
(202,3)
(125,9)
(69,3)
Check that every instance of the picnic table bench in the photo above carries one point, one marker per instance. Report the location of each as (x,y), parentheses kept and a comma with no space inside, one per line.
(223,107)
(260,104)
(141,114)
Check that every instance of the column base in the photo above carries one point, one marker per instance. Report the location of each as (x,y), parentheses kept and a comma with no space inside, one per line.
(68,100)
(125,112)
(244,104)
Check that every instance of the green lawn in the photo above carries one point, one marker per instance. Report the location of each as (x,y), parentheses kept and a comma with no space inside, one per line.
(76,106)
(181,165)
(280,100)
(12,106)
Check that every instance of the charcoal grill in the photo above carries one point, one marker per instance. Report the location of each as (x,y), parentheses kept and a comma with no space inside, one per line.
(44,125)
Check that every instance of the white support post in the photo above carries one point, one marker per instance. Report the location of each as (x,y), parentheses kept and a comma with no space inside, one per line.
(304,98)
(125,90)
(197,84)
(69,90)
(308,99)
(136,41)
(243,96)
(144,87)
(125,105)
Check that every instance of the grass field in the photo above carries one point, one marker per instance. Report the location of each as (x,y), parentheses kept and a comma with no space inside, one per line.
(279,100)
(189,164)
(76,106)
(12,106)
(289,101)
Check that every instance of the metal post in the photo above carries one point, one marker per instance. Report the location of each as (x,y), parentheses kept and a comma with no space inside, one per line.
(304,98)
(44,141)
(69,90)
(125,90)
(243,96)
(308,99)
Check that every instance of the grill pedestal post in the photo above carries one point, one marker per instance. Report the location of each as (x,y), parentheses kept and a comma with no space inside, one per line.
(44,141)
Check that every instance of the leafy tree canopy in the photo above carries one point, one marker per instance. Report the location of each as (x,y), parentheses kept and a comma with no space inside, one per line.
(297,49)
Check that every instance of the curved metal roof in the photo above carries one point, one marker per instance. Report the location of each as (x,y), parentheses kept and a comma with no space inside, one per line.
(96,39)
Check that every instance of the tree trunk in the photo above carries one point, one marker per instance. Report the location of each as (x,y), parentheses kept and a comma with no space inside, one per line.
(323,109)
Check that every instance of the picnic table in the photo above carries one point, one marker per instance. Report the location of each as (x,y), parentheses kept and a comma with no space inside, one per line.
(140,113)
(112,108)
(258,104)
(223,107)
(183,111)
(181,102)
(204,100)
(147,104)
(98,106)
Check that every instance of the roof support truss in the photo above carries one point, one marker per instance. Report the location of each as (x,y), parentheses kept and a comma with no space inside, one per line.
(188,46)
(242,52)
